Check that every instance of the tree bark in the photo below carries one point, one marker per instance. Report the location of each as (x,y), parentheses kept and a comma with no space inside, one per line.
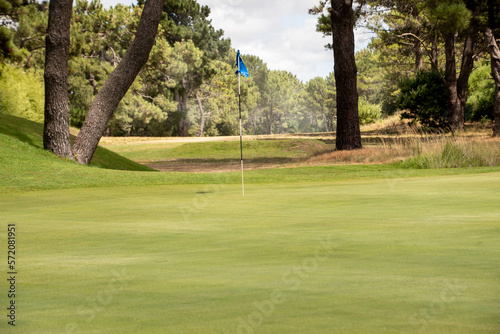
(466,67)
(342,23)
(181,97)
(417,45)
(454,109)
(435,53)
(457,88)
(118,83)
(495,72)
(56,124)
(419,59)
(202,116)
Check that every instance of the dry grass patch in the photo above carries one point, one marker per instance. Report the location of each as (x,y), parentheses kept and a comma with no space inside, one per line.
(418,149)
(368,155)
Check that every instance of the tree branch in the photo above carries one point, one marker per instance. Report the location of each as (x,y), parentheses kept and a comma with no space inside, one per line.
(433,64)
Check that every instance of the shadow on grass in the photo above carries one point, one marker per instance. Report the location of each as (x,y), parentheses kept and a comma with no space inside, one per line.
(222,165)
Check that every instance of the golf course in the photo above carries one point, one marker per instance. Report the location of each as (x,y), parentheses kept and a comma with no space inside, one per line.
(117,247)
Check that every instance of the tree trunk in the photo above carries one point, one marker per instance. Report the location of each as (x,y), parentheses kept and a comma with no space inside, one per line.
(467,67)
(202,117)
(454,109)
(342,22)
(419,60)
(56,124)
(417,45)
(118,83)
(457,88)
(327,124)
(184,124)
(435,53)
(181,97)
(495,72)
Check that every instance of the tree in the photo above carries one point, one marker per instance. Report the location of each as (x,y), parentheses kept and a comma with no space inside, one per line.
(318,99)
(280,96)
(342,23)
(7,25)
(451,17)
(339,23)
(495,72)
(56,125)
(188,20)
(56,130)
(495,62)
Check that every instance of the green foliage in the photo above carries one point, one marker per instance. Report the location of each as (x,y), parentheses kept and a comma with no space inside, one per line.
(368,112)
(481,94)
(448,16)
(21,93)
(372,81)
(7,47)
(32,18)
(424,100)
(319,99)
(137,117)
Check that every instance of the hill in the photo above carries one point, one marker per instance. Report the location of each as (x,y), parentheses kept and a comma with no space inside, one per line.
(24,136)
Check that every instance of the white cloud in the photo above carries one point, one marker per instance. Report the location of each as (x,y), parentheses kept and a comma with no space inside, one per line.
(280,32)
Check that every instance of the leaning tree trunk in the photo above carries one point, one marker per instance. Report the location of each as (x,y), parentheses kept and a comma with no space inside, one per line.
(118,83)
(495,72)
(342,22)
(56,124)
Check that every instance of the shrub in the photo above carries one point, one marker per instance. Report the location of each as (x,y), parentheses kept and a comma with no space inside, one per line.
(424,100)
(21,93)
(368,112)
(481,95)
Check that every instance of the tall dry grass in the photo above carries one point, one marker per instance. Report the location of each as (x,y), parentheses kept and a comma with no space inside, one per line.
(415,148)
(453,152)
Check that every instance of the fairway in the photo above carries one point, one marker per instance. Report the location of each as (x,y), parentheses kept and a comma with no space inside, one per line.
(407,255)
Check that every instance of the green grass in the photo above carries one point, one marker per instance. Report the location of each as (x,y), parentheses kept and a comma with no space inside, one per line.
(373,256)
(21,145)
(24,165)
(320,249)
(220,150)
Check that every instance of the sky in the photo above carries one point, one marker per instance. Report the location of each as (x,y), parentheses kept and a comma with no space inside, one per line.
(280,32)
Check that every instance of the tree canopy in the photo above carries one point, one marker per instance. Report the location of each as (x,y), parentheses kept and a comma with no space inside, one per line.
(188,86)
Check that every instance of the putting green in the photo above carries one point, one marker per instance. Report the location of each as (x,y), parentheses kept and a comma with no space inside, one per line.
(381,256)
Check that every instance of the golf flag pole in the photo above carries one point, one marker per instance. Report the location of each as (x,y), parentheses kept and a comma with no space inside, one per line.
(241,134)
(242,69)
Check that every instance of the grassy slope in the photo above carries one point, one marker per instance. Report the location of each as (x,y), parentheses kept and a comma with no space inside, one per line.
(375,256)
(22,140)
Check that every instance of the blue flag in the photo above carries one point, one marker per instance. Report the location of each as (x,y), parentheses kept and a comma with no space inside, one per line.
(241,65)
